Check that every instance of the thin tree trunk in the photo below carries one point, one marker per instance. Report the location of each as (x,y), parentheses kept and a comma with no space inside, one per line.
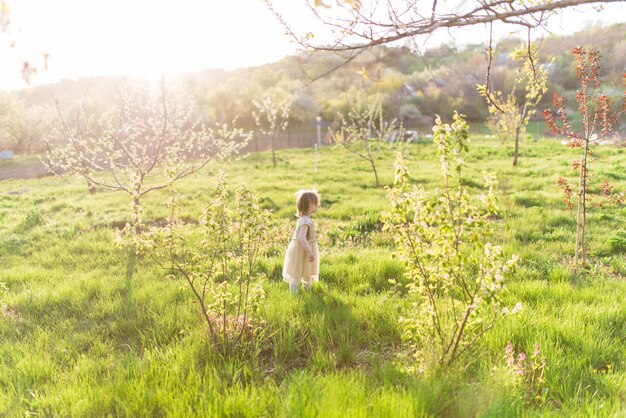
(91,188)
(516,151)
(224,327)
(583,166)
(274,151)
(137,215)
(577,232)
(579,216)
(375,172)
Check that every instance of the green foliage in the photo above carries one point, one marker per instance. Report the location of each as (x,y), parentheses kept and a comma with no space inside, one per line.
(32,220)
(456,275)
(359,231)
(219,262)
(510,115)
(617,243)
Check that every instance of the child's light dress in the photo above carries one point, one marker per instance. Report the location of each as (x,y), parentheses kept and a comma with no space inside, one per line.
(297,267)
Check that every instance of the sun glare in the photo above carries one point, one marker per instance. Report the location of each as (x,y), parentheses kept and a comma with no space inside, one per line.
(139,37)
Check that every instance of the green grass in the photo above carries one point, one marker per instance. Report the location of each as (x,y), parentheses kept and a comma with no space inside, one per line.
(86,330)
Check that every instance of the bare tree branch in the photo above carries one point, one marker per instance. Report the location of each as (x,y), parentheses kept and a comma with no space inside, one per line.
(368,31)
(487,89)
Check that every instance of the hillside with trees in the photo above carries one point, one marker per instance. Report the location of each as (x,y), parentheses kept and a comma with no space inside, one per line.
(412,87)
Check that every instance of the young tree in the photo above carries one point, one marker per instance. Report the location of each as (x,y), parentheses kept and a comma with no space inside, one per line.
(456,276)
(130,148)
(509,116)
(597,121)
(363,131)
(271,117)
(218,260)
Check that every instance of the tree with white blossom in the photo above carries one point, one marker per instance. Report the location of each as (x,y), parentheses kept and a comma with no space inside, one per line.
(140,146)
(271,117)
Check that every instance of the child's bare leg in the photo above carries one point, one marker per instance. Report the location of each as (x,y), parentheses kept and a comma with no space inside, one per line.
(293,288)
(307,287)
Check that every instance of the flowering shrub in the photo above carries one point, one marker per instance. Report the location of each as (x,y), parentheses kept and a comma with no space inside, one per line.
(456,277)
(527,373)
(597,120)
(218,261)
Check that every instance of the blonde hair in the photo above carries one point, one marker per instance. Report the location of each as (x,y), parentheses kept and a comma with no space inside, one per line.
(304,198)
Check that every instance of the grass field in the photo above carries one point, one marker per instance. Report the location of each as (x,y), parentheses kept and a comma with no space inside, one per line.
(86,330)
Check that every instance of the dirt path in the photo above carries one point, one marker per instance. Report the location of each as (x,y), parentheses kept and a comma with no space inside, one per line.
(29,172)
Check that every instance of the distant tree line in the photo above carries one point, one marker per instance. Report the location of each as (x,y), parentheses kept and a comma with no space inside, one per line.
(411,88)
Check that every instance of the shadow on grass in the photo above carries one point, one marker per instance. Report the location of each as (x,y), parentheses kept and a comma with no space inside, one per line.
(127,326)
(128,282)
(333,329)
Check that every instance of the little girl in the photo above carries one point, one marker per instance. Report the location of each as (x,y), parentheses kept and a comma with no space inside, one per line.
(302,262)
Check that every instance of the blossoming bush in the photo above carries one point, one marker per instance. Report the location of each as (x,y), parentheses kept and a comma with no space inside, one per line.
(526,375)
(455,274)
(218,259)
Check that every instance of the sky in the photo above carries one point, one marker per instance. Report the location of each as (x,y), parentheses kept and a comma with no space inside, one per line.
(153,37)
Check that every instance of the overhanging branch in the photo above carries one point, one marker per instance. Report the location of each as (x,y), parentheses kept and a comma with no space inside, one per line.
(373,33)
